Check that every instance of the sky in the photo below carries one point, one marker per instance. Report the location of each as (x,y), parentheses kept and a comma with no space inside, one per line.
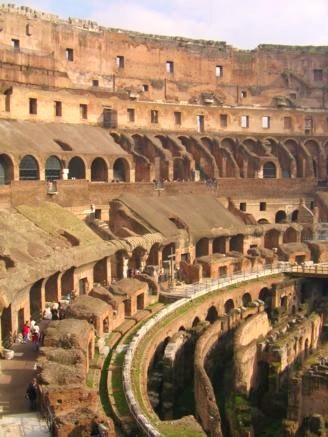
(241,23)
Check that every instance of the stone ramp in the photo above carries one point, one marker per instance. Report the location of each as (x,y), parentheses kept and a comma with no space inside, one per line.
(26,424)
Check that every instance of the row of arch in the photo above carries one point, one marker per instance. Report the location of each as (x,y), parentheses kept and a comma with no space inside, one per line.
(30,169)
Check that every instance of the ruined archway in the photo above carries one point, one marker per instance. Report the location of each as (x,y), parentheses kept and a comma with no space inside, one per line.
(219,245)
(29,169)
(290,236)
(53,168)
(246,299)
(100,272)
(6,169)
(121,170)
(294,216)
(76,168)
(237,243)
(271,239)
(99,170)
(266,296)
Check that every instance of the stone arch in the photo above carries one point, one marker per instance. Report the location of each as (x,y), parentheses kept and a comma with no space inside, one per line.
(290,235)
(181,169)
(168,250)
(294,216)
(121,170)
(212,314)
(196,321)
(306,234)
(29,169)
(202,247)
(6,169)
(229,306)
(36,300)
(298,154)
(316,153)
(263,221)
(99,170)
(67,281)
(77,168)
(271,239)
(153,257)
(53,168)
(269,170)
(52,289)
(266,296)
(281,217)
(100,271)
(219,245)
(136,261)
(237,243)
(246,299)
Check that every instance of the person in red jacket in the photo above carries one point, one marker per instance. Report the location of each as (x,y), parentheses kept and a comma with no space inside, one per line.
(25,332)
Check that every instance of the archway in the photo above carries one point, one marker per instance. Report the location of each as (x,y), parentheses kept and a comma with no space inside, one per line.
(195,322)
(212,314)
(52,289)
(294,216)
(271,239)
(6,170)
(202,247)
(246,299)
(237,243)
(265,296)
(269,170)
(36,300)
(29,169)
(263,221)
(99,170)
(290,236)
(100,273)
(76,168)
(281,217)
(229,306)
(121,170)
(219,245)
(53,168)
(153,257)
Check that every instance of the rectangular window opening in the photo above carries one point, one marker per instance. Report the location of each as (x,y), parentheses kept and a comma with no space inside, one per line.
(243,94)
(58,109)
(177,118)
(244,121)
(15,44)
(95,83)
(120,62)
(8,94)
(33,106)
(219,71)
(170,67)
(84,111)
(317,75)
(308,126)
(145,87)
(154,116)
(242,206)
(223,120)
(131,114)
(287,122)
(265,122)
(263,206)
(69,53)
(200,123)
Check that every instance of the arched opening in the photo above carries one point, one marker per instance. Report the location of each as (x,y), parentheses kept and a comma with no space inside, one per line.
(181,169)
(6,170)
(100,272)
(121,170)
(212,314)
(290,236)
(106,325)
(76,168)
(67,282)
(284,303)
(36,300)
(219,245)
(99,170)
(265,296)
(195,322)
(271,239)
(281,217)
(246,299)
(202,247)
(229,306)
(53,168)
(295,216)
(29,169)
(153,258)
(119,265)
(263,222)
(182,328)
(6,325)
(51,289)
(141,301)
(269,170)
(237,243)
(306,234)
(137,260)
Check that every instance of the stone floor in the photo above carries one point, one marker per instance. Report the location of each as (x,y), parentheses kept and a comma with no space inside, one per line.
(16,419)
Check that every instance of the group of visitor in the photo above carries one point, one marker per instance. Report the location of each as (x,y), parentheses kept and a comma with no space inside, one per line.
(56,312)
(31,332)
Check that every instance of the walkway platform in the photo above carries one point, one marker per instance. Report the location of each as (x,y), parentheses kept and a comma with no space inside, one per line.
(26,424)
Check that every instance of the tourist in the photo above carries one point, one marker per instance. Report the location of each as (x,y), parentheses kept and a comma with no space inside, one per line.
(47,314)
(25,332)
(32,393)
(35,337)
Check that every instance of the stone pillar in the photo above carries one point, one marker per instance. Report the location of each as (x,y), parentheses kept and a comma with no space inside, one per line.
(110,174)
(245,168)
(227,244)
(125,266)
(88,173)
(224,167)
(132,175)
(143,261)
(109,270)
(210,246)
(171,170)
